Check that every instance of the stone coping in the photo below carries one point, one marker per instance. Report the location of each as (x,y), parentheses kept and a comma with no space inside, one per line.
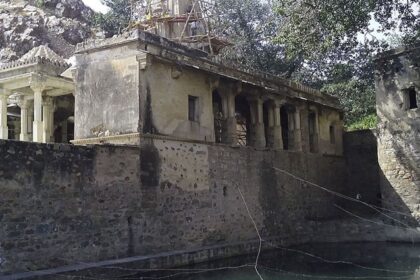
(397,52)
(179,53)
(33,61)
(107,141)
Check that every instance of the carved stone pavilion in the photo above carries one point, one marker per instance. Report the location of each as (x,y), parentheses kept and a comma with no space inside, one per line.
(35,98)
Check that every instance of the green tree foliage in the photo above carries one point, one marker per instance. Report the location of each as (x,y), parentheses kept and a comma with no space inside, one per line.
(311,27)
(116,19)
(326,33)
(251,26)
(367,122)
(356,96)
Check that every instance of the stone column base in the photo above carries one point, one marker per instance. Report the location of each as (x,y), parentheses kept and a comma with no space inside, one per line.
(231,136)
(277,138)
(258,132)
(37,131)
(4,133)
(23,137)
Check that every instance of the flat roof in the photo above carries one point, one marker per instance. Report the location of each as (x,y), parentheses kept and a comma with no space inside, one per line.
(183,55)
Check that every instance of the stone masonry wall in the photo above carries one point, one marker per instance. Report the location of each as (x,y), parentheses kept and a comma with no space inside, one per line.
(362,166)
(397,72)
(60,204)
(75,205)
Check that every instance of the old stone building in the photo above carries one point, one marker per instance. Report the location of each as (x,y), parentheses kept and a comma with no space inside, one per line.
(36,102)
(178,88)
(150,85)
(398,101)
(191,135)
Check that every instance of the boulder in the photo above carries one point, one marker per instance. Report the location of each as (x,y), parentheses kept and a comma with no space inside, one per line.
(60,24)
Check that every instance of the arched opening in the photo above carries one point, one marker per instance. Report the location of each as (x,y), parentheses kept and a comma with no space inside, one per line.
(13,122)
(64,119)
(243,120)
(218,117)
(284,117)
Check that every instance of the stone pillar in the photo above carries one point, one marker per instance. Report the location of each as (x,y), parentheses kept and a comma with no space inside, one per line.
(257,123)
(304,127)
(30,119)
(231,122)
(277,131)
(23,104)
(46,116)
(51,120)
(4,133)
(37,123)
(269,127)
(229,114)
(298,130)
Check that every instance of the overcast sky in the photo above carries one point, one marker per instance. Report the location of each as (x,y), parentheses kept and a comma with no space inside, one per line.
(96,5)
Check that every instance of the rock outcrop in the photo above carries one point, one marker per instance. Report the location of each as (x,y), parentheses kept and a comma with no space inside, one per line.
(60,24)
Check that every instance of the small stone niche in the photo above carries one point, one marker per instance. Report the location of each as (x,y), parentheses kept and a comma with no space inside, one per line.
(410,99)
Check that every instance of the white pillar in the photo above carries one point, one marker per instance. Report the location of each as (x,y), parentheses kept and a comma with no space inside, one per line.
(4,133)
(37,124)
(46,117)
(23,104)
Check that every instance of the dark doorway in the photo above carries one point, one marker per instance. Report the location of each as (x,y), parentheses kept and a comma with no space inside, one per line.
(267,129)
(411,99)
(218,117)
(64,131)
(243,120)
(284,117)
(312,132)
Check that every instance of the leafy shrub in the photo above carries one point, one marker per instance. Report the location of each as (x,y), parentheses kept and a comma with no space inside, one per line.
(367,122)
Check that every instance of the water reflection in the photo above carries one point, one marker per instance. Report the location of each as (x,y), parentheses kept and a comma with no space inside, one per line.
(368,261)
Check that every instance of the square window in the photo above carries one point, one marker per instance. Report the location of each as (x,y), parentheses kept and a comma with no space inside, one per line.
(193,108)
(410,99)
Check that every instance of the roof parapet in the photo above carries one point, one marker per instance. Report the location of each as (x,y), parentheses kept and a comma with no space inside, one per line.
(38,55)
(175,47)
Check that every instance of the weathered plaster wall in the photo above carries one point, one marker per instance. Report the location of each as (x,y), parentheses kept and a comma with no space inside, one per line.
(83,204)
(399,132)
(168,87)
(132,86)
(107,92)
(327,118)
